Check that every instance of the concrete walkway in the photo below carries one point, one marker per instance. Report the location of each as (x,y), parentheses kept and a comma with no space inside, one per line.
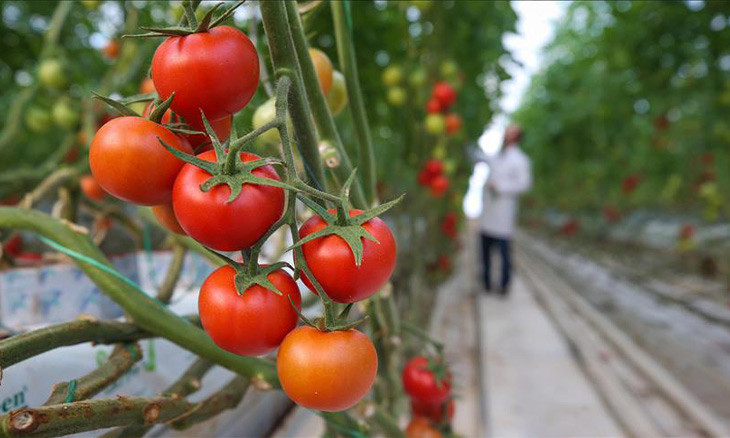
(533,384)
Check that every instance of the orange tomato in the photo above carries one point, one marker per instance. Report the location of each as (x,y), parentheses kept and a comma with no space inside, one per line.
(326,371)
(111,50)
(323,66)
(147,86)
(166,216)
(91,188)
(420,427)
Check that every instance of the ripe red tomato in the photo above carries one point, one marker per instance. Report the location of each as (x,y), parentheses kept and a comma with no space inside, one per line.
(448,224)
(13,246)
(129,162)
(433,106)
(210,219)
(420,427)
(421,383)
(216,71)
(445,93)
(326,371)
(111,50)
(221,127)
(323,67)
(687,232)
(453,123)
(166,216)
(434,167)
(91,188)
(250,324)
(630,183)
(439,185)
(436,412)
(333,265)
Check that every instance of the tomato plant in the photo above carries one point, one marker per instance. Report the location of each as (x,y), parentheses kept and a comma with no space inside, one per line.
(215,71)
(129,162)
(252,323)
(326,371)
(333,264)
(214,220)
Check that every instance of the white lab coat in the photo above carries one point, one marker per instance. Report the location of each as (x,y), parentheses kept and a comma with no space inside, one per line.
(509,173)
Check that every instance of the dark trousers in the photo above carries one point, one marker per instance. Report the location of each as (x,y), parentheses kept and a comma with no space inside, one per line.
(504,251)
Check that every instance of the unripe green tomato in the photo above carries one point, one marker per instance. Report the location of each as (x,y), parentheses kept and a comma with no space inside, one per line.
(449,68)
(91,4)
(435,124)
(417,78)
(396,96)
(37,119)
(337,97)
(51,74)
(265,114)
(439,153)
(393,75)
(64,114)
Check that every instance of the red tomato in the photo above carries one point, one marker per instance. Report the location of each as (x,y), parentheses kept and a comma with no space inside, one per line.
(421,383)
(146,86)
(216,71)
(453,123)
(439,185)
(569,228)
(326,371)
(91,188)
(129,162)
(443,263)
(436,412)
(333,265)
(630,183)
(444,93)
(14,246)
(221,127)
(687,232)
(434,167)
(210,219)
(448,224)
(166,216)
(250,324)
(420,427)
(433,106)
(111,50)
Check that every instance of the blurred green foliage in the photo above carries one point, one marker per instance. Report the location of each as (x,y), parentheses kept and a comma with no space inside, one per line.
(633,88)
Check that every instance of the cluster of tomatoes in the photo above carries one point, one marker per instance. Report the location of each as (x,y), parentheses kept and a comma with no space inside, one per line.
(428,385)
(209,76)
(432,176)
(55,106)
(439,120)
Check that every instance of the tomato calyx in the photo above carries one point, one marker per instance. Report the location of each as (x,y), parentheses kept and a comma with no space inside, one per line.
(437,367)
(349,228)
(244,278)
(228,168)
(190,24)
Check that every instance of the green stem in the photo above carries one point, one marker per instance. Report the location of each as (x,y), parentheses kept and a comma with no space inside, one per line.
(230,163)
(385,422)
(348,65)
(320,110)
(68,418)
(164,294)
(55,26)
(226,398)
(147,313)
(284,57)
(120,361)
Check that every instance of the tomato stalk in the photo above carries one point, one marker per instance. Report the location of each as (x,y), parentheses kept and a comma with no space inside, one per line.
(348,65)
(320,110)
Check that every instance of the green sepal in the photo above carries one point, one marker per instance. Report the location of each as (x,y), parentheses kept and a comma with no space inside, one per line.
(146,97)
(165,31)
(243,175)
(365,216)
(207,166)
(219,152)
(159,111)
(225,15)
(301,315)
(345,311)
(243,281)
(118,106)
(175,129)
(205,22)
(349,326)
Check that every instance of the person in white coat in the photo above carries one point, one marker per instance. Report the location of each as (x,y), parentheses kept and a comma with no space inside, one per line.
(509,177)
